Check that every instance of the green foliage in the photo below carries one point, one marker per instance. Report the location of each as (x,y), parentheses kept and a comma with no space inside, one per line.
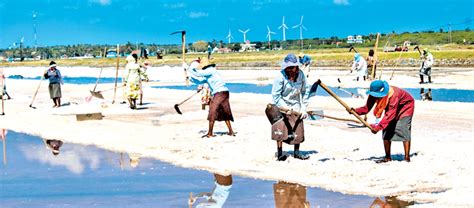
(200,46)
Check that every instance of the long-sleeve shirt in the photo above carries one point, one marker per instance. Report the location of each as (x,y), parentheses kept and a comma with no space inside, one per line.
(288,94)
(210,76)
(360,66)
(429,61)
(54,76)
(400,105)
(305,60)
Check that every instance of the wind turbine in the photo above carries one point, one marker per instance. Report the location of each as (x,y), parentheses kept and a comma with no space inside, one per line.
(229,36)
(301,26)
(244,32)
(269,36)
(283,27)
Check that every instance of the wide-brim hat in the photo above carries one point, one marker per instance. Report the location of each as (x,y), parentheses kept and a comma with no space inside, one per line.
(301,54)
(378,88)
(290,60)
(130,58)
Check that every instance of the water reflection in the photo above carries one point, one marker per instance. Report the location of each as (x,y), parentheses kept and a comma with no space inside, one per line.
(217,197)
(390,202)
(426,95)
(81,176)
(290,195)
(53,145)
(3,137)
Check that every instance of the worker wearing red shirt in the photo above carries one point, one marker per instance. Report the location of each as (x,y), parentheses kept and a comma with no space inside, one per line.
(399,107)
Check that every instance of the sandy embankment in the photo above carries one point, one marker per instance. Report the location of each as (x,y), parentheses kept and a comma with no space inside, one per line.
(342,159)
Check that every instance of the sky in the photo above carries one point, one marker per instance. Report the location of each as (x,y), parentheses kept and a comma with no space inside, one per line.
(66,22)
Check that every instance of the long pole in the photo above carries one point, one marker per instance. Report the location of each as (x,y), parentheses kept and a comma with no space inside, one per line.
(329,91)
(375,56)
(2,76)
(183,48)
(116,73)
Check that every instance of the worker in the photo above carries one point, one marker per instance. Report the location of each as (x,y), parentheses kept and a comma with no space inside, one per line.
(399,107)
(426,65)
(359,65)
(305,62)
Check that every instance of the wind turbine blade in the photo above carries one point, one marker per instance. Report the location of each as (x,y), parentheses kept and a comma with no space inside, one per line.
(280,27)
(283,20)
(272,32)
(301,22)
(304,27)
(295,26)
(241,31)
(247,30)
(285,26)
(268,28)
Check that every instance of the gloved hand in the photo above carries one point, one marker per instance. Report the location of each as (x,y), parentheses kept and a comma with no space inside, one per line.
(374,128)
(351,110)
(304,114)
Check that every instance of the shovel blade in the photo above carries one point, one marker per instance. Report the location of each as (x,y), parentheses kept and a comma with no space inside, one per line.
(314,88)
(315,115)
(176,107)
(97,94)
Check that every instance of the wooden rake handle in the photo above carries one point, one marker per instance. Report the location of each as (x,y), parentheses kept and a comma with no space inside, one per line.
(349,109)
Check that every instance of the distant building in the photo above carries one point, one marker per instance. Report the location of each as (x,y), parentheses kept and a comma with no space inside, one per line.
(357,39)
(247,46)
(224,50)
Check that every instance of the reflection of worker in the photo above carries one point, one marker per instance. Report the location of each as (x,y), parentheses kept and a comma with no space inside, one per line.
(426,95)
(3,134)
(290,195)
(218,196)
(305,62)
(53,145)
(428,61)
(134,159)
(390,202)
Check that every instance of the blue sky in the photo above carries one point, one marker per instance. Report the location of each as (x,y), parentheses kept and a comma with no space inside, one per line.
(151,21)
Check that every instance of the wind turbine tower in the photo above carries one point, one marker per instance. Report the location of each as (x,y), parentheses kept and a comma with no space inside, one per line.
(244,32)
(283,27)
(269,36)
(34,31)
(229,37)
(301,26)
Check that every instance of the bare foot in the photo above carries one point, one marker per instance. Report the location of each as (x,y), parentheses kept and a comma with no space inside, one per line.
(407,159)
(231,133)
(208,136)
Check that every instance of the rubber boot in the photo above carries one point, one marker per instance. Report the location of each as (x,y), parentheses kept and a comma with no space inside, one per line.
(297,155)
(280,156)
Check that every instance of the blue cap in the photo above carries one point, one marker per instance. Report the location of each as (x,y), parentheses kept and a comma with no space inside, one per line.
(378,88)
(290,60)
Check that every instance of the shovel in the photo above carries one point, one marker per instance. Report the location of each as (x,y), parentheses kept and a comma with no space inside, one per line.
(93,92)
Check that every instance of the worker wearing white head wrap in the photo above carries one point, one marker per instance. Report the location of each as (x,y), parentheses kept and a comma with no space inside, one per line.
(359,65)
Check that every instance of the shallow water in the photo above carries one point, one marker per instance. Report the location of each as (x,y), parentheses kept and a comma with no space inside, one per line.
(445,95)
(87,176)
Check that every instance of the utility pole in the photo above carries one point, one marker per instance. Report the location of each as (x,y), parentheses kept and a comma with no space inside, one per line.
(450,34)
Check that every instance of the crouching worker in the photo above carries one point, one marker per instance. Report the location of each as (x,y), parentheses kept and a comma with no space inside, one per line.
(219,108)
(399,107)
(290,93)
